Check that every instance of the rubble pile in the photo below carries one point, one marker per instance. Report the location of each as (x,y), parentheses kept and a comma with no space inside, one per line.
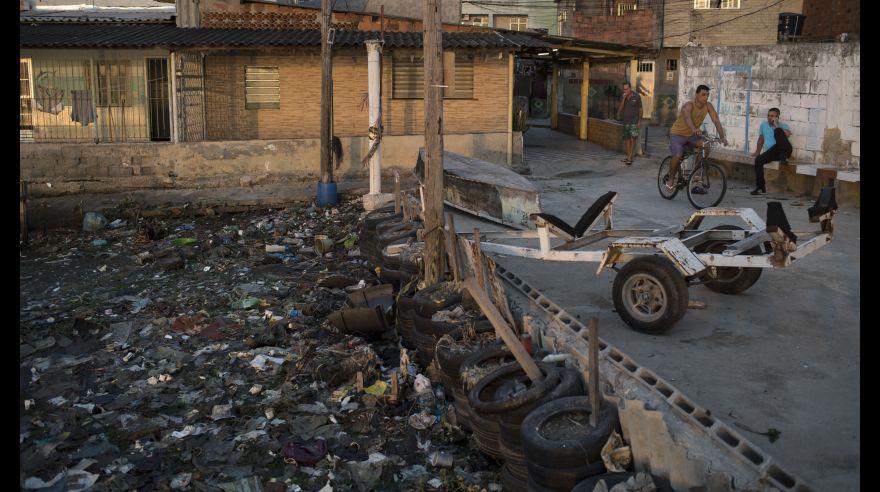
(196,353)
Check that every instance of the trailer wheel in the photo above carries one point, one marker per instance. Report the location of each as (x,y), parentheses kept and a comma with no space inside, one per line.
(728,280)
(650,295)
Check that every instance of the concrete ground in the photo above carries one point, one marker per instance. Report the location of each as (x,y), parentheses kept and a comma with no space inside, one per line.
(782,355)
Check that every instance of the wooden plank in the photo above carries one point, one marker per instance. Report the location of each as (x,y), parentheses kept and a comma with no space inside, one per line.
(585,92)
(452,248)
(503,331)
(478,258)
(595,390)
(498,293)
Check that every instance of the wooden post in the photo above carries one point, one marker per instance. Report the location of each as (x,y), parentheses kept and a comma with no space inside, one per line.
(554,106)
(452,247)
(510,81)
(585,92)
(396,192)
(22,210)
(595,399)
(395,389)
(503,331)
(432,42)
(478,259)
(326,93)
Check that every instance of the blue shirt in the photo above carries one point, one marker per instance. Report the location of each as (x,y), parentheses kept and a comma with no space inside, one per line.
(767,131)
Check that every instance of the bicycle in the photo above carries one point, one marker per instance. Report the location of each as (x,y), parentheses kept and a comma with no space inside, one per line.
(704,176)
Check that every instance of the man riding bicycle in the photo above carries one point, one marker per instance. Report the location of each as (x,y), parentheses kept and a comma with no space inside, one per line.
(686,132)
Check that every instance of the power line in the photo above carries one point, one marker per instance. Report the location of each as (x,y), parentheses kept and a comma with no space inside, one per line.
(715,25)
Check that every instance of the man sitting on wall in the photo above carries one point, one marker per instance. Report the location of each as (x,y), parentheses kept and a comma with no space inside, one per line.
(774,135)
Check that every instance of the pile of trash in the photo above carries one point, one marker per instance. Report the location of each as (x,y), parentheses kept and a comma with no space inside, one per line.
(205,353)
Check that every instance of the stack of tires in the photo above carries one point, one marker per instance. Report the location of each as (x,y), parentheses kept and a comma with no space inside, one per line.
(368,231)
(425,333)
(405,310)
(507,396)
(452,350)
(402,261)
(560,447)
(477,364)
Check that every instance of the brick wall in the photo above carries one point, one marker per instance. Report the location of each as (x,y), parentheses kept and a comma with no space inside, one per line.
(630,28)
(815,85)
(825,22)
(608,134)
(683,23)
(235,14)
(300,75)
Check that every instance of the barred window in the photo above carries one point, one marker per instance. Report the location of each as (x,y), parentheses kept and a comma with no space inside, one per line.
(113,83)
(475,20)
(408,76)
(519,23)
(623,8)
(716,4)
(262,88)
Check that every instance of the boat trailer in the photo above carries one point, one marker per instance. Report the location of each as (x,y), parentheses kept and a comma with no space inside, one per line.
(656,267)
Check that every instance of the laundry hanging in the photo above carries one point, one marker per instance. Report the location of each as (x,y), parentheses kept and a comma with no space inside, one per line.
(83,107)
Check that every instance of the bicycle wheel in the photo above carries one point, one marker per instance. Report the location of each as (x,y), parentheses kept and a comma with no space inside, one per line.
(661,179)
(709,179)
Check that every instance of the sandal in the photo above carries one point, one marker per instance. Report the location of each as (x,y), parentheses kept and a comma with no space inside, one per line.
(669,189)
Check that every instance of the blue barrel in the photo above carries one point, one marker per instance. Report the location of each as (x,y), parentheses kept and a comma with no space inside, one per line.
(326,194)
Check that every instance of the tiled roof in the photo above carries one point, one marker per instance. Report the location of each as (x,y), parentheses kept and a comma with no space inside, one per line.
(139,36)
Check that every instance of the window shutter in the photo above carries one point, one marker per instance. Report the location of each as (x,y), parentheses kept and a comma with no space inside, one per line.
(408,77)
(464,76)
(262,88)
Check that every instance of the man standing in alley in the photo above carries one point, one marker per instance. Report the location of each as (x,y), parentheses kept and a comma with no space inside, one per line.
(630,112)
(686,131)
(774,135)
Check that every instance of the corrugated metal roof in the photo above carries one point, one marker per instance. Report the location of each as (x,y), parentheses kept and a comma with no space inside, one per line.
(138,36)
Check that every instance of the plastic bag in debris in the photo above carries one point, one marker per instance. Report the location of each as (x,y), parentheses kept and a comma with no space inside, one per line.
(93,221)
(305,453)
(616,455)
(448,315)
(641,482)
(421,384)
(76,478)
(377,389)
(422,421)
(366,474)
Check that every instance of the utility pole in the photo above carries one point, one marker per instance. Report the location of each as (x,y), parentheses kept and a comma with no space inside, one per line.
(433,54)
(326,188)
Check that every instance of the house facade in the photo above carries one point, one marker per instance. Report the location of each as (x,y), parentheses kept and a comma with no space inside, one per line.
(171,106)
(510,15)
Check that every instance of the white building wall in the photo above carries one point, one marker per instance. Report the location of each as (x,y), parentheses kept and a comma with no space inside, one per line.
(816,86)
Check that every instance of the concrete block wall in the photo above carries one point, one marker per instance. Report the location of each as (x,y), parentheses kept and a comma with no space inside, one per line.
(608,134)
(58,169)
(816,86)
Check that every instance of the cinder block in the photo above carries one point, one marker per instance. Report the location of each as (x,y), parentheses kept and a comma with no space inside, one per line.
(798,114)
(850,133)
(816,115)
(856,149)
(819,87)
(814,144)
(791,101)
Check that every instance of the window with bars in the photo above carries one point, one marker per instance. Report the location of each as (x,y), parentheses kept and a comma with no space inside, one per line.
(716,4)
(646,66)
(408,76)
(623,8)
(671,64)
(26,96)
(114,80)
(475,20)
(262,88)
(519,23)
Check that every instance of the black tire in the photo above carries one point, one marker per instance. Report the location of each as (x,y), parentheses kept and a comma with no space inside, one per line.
(379,216)
(486,435)
(662,172)
(611,479)
(403,231)
(576,451)
(405,309)
(556,479)
(510,483)
(481,397)
(450,362)
(713,180)
(728,280)
(436,297)
(391,261)
(655,281)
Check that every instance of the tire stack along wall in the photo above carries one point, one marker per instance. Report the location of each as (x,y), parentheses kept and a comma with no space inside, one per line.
(816,86)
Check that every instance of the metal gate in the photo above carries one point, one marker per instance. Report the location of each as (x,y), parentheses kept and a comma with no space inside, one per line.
(190,87)
(158,108)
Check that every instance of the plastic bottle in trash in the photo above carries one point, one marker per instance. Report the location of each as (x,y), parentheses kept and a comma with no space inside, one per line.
(277,248)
